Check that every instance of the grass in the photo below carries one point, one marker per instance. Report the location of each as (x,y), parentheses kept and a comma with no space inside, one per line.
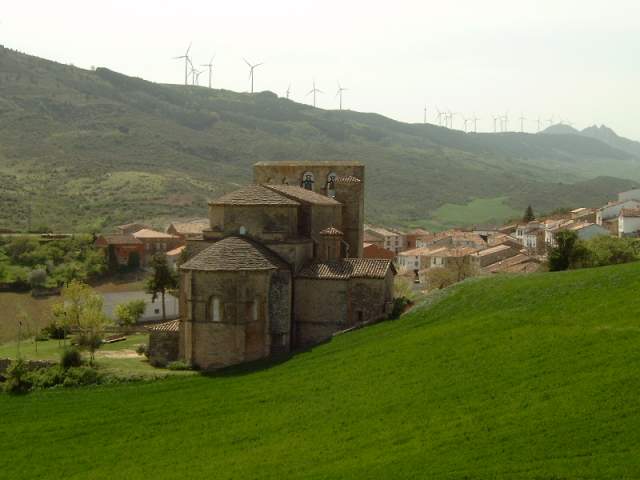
(510,377)
(476,212)
(123,363)
(14,305)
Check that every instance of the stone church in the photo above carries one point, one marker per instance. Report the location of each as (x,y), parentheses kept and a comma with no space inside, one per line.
(279,268)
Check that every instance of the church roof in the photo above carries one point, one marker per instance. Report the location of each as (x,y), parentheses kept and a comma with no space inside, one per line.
(254,195)
(347,268)
(331,232)
(233,254)
(304,195)
(170,326)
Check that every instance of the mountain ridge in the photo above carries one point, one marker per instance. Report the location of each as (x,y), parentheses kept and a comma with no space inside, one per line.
(84,150)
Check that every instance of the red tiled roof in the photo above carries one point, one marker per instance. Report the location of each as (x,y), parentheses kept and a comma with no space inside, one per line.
(118,240)
(347,268)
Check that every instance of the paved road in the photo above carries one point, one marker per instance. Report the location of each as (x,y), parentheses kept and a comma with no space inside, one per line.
(153,310)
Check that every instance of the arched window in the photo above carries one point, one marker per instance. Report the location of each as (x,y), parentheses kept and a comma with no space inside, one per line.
(243,230)
(215,310)
(331,185)
(255,309)
(307,180)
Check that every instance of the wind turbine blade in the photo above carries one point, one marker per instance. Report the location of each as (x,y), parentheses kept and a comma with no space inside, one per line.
(189,48)
(245,61)
(258,64)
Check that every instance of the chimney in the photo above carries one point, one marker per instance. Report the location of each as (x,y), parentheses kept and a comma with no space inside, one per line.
(330,245)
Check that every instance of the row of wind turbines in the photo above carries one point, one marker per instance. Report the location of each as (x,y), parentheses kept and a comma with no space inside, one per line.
(443,118)
(192,76)
(500,122)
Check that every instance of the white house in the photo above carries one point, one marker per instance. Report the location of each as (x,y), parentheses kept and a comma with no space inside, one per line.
(393,240)
(629,222)
(417,258)
(612,210)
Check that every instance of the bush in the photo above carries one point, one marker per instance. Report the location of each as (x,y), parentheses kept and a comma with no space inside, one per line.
(142,349)
(54,330)
(17,379)
(399,305)
(178,365)
(70,357)
(46,377)
(80,376)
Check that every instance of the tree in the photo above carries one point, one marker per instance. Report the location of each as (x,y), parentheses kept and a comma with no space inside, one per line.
(439,277)
(606,250)
(38,278)
(129,313)
(528,215)
(162,280)
(569,252)
(91,325)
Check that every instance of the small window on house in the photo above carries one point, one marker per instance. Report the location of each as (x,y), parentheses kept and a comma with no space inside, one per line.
(215,309)
(243,230)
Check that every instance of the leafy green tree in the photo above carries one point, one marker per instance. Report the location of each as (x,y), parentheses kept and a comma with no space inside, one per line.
(91,325)
(162,280)
(528,215)
(569,252)
(129,313)
(605,250)
(37,278)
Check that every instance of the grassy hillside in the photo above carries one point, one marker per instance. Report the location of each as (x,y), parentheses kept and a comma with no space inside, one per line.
(511,377)
(84,150)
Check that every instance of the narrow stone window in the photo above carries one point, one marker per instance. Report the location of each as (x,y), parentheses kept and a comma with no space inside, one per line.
(331,185)
(255,309)
(307,181)
(215,310)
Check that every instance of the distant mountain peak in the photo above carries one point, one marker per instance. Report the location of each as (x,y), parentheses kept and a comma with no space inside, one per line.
(561,129)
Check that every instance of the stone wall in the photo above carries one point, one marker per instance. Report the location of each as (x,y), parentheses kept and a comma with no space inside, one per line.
(280,295)
(163,348)
(270,222)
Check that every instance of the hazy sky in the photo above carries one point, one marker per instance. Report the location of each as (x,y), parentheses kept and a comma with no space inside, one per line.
(575,60)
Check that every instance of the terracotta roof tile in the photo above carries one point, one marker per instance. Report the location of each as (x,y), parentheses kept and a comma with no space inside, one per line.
(119,240)
(630,212)
(254,195)
(347,179)
(190,227)
(232,254)
(303,195)
(147,233)
(171,326)
(347,268)
(331,232)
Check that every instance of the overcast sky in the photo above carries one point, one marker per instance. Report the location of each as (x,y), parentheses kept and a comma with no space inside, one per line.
(573,60)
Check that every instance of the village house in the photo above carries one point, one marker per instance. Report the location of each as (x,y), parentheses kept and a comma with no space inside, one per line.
(607,216)
(629,222)
(121,250)
(412,237)
(391,239)
(130,228)
(520,263)
(369,250)
(454,238)
(583,214)
(280,266)
(155,242)
(188,230)
(492,255)
(417,258)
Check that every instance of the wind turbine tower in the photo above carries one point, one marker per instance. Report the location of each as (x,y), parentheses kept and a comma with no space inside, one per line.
(338,94)
(314,91)
(251,69)
(424,120)
(288,91)
(522,119)
(210,66)
(187,60)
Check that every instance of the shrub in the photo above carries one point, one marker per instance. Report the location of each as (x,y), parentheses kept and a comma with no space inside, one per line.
(142,349)
(178,365)
(399,304)
(46,377)
(70,357)
(54,330)
(80,376)
(16,378)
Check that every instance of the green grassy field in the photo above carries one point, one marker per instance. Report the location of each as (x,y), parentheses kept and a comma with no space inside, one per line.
(476,212)
(509,377)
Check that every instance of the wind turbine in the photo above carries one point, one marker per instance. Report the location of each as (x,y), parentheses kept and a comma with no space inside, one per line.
(338,94)
(314,90)
(210,65)
(506,121)
(475,123)
(466,121)
(288,91)
(425,115)
(439,116)
(186,64)
(196,75)
(522,119)
(539,122)
(251,69)
(550,120)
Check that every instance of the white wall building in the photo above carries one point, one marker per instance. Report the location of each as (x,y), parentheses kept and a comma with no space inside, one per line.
(629,222)
(612,210)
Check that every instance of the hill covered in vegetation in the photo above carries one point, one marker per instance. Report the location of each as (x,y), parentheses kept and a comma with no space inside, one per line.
(84,150)
(509,377)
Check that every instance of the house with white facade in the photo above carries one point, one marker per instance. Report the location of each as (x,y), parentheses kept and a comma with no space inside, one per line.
(391,239)
(417,258)
(629,222)
(611,210)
